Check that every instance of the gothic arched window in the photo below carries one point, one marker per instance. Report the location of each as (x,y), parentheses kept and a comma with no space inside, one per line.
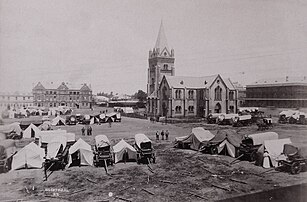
(218,93)
(178,94)
(191,94)
(165,66)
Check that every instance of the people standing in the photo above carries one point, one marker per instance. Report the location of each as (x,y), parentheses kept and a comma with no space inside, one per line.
(157,135)
(110,122)
(87,130)
(83,131)
(90,130)
(162,135)
(166,134)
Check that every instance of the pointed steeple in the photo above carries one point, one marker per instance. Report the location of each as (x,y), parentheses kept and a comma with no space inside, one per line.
(161,42)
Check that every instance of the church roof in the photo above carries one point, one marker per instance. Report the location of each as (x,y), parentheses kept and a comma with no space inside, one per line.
(190,82)
(229,84)
(161,42)
(196,82)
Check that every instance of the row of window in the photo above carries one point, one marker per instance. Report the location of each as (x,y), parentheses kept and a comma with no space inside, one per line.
(59,104)
(190,94)
(16,98)
(178,109)
(61,98)
(15,105)
(71,93)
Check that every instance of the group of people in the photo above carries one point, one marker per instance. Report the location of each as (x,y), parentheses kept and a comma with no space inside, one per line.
(163,133)
(88,130)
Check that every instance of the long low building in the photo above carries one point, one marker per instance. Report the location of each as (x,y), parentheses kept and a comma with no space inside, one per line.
(15,100)
(286,92)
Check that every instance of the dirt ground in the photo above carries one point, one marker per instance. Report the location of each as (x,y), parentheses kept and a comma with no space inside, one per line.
(178,175)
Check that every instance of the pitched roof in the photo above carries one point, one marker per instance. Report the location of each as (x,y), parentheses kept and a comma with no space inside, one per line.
(161,42)
(190,82)
(288,80)
(229,84)
(62,85)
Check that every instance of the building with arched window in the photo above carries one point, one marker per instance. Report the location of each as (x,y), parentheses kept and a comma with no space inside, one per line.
(182,96)
(63,94)
(195,96)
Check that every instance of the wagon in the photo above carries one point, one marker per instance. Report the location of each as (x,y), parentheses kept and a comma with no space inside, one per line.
(265,124)
(103,151)
(243,120)
(144,148)
(212,118)
(295,158)
(71,120)
(226,119)
(57,155)
(251,143)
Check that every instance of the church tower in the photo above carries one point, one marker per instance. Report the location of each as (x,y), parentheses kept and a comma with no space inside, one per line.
(161,62)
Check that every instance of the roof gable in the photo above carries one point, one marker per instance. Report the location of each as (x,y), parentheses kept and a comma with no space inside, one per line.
(63,86)
(190,82)
(39,86)
(85,88)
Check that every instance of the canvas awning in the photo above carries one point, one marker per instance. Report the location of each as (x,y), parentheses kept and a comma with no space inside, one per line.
(121,148)
(85,152)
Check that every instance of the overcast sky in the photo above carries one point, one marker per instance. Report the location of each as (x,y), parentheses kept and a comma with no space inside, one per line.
(106,43)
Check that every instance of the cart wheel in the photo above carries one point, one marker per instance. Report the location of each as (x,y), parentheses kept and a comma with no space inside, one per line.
(295,168)
(214,150)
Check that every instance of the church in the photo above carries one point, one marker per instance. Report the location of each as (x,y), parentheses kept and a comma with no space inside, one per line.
(184,96)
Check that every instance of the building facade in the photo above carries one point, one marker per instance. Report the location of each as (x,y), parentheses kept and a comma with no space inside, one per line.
(287,92)
(64,94)
(181,96)
(15,100)
(241,93)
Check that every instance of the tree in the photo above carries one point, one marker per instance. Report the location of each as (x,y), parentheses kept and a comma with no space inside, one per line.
(140,95)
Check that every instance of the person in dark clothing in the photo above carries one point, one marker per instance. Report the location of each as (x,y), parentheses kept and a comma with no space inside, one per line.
(166,134)
(90,130)
(83,131)
(157,135)
(162,135)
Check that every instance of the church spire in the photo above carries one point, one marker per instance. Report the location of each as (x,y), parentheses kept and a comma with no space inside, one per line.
(161,42)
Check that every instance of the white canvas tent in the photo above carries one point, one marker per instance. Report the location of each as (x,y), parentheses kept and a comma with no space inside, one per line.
(259,138)
(122,148)
(48,135)
(31,156)
(94,120)
(85,153)
(31,132)
(9,128)
(274,149)
(227,142)
(197,136)
(58,121)
(54,146)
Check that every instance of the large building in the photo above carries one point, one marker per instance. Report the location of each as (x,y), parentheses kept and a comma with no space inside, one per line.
(64,94)
(182,96)
(15,100)
(286,92)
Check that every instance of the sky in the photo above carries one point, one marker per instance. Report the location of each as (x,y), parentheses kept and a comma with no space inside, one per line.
(105,43)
